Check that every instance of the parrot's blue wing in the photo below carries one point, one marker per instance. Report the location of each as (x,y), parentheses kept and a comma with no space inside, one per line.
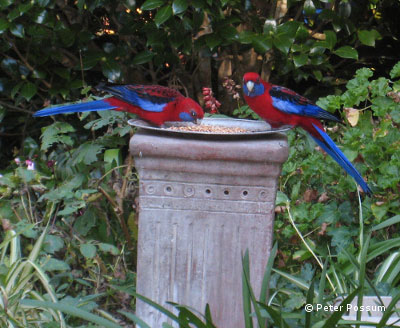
(291,102)
(149,98)
(327,144)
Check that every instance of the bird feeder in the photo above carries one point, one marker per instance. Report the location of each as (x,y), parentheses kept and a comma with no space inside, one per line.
(204,199)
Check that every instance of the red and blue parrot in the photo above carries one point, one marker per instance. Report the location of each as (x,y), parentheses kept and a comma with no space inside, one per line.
(280,106)
(153,103)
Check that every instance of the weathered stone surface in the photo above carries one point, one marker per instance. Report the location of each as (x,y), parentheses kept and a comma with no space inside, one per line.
(202,203)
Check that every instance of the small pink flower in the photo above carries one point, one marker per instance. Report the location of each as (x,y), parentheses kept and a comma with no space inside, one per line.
(231,87)
(50,163)
(30,165)
(17,160)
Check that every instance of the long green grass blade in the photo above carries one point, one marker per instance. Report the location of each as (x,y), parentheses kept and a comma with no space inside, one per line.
(322,283)
(139,322)
(275,316)
(388,311)
(73,311)
(246,270)
(301,283)
(382,247)
(267,274)
(393,220)
(309,300)
(248,322)
(389,268)
(362,273)
(337,315)
(33,255)
(160,308)
(207,314)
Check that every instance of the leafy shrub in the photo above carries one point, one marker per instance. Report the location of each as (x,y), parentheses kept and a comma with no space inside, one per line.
(322,198)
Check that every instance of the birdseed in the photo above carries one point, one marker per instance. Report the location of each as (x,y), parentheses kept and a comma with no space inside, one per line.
(208,129)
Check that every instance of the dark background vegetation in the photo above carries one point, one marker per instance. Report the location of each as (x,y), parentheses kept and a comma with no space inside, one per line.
(52,52)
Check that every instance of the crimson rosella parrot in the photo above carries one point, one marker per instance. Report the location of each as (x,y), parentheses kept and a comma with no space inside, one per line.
(280,106)
(153,103)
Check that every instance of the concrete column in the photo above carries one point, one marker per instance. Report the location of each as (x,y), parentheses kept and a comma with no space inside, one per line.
(202,203)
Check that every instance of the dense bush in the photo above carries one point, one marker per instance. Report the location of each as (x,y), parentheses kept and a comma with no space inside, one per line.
(74,176)
(50,49)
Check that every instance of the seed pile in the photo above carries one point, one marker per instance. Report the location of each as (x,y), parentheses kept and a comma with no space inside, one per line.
(208,129)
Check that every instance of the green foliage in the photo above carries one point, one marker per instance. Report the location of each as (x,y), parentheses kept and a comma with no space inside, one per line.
(69,182)
(49,49)
(18,277)
(321,197)
(75,179)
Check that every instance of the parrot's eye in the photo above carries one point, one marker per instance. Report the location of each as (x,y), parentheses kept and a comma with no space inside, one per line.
(193,113)
(258,80)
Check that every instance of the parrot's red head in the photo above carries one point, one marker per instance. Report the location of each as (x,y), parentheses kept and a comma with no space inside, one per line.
(252,85)
(187,110)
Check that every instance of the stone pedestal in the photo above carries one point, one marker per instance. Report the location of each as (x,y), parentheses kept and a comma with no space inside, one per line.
(202,203)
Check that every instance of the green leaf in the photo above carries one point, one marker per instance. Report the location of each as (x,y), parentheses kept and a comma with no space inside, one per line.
(67,37)
(28,90)
(300,60)
(54,133)
(88,250)
(368,37)
(17,30)
(262,43)
(143,57)
(112,158)
(86,153)
(4,24)
(86,222)
(395,72)
(2,113)
(55,265)
(285,35)
(111,69)
(330,39)
(109,248)
(281,198)
(309,7)
(179,6)
(229,33)
(71,206)
(318,75)
(25,174)
(379,211)
(89,60)
(24,7)
(53,244)
(5,3)
(246,37)
(163,15)
(346,52)
(212,40)
(152,4)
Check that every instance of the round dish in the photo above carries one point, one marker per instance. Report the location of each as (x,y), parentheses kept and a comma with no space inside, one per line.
(254,128)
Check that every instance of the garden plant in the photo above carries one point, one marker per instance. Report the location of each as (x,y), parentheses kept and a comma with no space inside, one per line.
(68,186)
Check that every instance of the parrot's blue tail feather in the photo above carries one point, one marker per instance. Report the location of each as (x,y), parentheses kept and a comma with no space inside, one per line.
(329,146)
(74,108)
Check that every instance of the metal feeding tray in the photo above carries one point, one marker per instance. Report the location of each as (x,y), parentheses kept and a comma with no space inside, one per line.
(246,128)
